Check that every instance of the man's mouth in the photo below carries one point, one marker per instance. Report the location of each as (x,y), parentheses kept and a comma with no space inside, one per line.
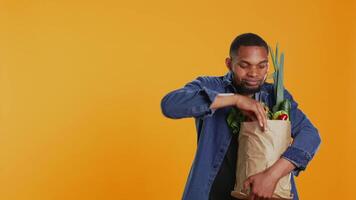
(252,82)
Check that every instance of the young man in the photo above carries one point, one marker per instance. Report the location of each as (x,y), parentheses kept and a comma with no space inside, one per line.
(209,100)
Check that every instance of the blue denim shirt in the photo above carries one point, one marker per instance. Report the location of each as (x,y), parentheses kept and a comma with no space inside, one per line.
(213,133)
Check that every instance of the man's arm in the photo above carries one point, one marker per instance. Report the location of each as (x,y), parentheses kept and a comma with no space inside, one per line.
(197,99)
(193,100)
(306,139)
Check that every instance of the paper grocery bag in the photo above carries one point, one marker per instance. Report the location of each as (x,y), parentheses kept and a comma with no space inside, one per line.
(259,150)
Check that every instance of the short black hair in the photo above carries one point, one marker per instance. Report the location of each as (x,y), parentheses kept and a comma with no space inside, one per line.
(246,39)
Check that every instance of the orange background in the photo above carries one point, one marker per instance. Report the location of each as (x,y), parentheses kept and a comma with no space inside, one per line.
(81,84)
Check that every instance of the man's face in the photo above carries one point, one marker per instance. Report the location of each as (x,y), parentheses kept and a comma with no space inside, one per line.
(250,67)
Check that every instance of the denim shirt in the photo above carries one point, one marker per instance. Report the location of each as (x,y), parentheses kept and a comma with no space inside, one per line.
(214,136)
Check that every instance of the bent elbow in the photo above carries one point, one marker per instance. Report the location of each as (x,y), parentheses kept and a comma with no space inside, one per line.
(167,108)
(316,140)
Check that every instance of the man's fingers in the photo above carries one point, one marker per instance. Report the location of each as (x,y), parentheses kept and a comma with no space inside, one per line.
(252,196)
(256,112)
(262,198)
(259,115)
(246,184)
(263,116)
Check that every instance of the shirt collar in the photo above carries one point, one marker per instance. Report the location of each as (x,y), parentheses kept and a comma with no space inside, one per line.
(228,79)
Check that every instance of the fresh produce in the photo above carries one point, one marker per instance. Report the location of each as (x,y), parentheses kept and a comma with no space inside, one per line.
(281,110)
(234,118)
(280,115)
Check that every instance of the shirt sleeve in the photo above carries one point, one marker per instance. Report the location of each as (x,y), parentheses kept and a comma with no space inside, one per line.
(306,138)
(193,100)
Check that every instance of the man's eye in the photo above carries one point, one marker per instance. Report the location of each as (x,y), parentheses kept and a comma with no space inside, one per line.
(243,65)
(261,66)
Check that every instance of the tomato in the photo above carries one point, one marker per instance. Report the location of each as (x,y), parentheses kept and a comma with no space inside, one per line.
(282,117)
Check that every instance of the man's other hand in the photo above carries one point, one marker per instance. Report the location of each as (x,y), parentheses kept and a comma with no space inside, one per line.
(262,185)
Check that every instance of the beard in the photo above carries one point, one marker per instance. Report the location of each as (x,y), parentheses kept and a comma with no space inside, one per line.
(246,90)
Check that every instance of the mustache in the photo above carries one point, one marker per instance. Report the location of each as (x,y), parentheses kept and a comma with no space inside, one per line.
(253,80)
(261,80)
(243,89)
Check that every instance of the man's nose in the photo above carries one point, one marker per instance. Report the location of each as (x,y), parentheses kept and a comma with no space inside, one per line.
(252,71)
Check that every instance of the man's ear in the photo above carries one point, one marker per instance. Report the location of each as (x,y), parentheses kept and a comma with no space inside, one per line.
(228,63)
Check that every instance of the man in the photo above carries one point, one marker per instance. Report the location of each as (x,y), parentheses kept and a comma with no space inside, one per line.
(209,100)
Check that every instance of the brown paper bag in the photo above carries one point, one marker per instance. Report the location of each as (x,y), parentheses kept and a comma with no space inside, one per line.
(259,150)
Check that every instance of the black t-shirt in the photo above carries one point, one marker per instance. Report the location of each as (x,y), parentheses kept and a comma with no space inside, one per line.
(224,181)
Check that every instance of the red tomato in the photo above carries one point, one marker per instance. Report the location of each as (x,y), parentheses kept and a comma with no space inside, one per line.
(283,117)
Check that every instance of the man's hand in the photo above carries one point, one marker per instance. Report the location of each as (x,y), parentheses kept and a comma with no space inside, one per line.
(248,106)
(252,109)
(263,184)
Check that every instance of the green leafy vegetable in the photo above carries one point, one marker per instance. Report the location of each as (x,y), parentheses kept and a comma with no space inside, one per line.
(234,119)
(278,64)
